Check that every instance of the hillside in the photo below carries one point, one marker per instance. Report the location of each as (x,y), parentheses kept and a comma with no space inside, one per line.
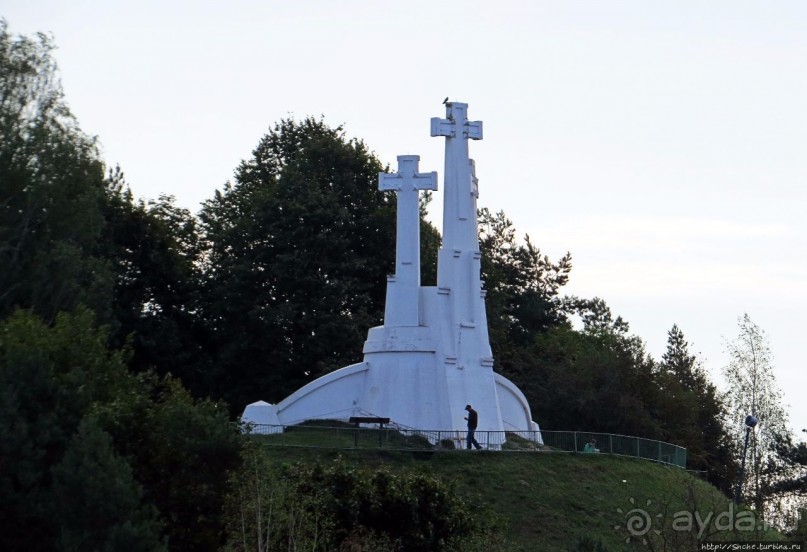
(558,501)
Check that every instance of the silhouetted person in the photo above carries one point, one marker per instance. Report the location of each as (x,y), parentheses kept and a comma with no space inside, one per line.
(473,419)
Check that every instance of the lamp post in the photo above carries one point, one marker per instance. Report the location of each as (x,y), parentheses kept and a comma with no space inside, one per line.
(750,423)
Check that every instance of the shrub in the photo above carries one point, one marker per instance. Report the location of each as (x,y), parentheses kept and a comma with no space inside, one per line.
(339,506)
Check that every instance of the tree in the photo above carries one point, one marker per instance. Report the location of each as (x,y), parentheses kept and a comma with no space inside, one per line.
(752,390)
(299,250)
(694,413)
(596,316)
(523,284)
(181,451)
(69,408)
(594,381)
(51,190)
(795,454)
(791,485)
(96,499)
(155,254)
(523,289)
(51,379)
(75,249)
(69,236)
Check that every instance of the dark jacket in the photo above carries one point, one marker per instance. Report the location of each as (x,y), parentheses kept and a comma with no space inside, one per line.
(472,419)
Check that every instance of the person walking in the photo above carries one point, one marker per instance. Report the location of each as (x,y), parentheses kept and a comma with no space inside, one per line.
(473,419)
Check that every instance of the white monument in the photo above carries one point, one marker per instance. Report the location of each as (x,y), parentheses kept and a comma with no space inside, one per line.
(432,355)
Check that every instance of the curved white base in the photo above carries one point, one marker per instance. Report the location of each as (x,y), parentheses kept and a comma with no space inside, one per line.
(410,402)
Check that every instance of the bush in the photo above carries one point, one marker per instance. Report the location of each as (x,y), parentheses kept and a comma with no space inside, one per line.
(340,506)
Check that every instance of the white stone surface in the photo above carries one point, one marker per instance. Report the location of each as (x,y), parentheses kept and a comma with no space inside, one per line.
(432,356)
(402,305)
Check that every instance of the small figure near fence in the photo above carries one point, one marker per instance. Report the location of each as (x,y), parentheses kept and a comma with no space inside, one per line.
(591,446)
(473,419)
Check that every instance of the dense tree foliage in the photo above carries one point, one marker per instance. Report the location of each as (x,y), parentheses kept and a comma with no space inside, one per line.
(598,379)
(181,451)
(51,190)
(69,236)
(790,485)
(70,411)
(56,463)
(299,250)
(154,253)
(795,456)
(94,457)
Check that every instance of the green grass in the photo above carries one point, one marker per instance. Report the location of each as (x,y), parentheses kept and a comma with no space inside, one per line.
(549,501)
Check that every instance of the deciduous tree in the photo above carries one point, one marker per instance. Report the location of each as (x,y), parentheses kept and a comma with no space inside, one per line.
(51,190)
(752,390)
(154,252)
(299,249)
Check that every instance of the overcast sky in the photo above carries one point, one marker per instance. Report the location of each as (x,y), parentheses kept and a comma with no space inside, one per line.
(661,143)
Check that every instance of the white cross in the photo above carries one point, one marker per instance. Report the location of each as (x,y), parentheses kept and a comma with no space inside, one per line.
(402,295)
(459,206)
(448,127)
(407,178)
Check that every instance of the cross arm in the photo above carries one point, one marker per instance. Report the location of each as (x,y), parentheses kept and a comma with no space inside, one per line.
(407,177)
(447,127)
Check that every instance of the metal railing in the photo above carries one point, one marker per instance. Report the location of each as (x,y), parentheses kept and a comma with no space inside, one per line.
(621,445)
(331,434)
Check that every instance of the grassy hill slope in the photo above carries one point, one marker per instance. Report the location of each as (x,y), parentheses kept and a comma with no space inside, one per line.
(560,501)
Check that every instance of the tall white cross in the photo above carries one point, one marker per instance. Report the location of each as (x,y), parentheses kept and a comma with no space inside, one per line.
(459,207)
(402,307)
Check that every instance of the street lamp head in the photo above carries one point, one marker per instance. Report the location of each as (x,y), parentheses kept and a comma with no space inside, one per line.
(751,421)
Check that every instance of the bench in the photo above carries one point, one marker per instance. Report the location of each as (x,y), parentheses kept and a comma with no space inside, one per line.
(368,420)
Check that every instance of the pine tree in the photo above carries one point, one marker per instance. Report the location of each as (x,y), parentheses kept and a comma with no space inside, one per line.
(695,413)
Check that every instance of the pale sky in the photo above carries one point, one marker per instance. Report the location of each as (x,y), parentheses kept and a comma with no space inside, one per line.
(661,143)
